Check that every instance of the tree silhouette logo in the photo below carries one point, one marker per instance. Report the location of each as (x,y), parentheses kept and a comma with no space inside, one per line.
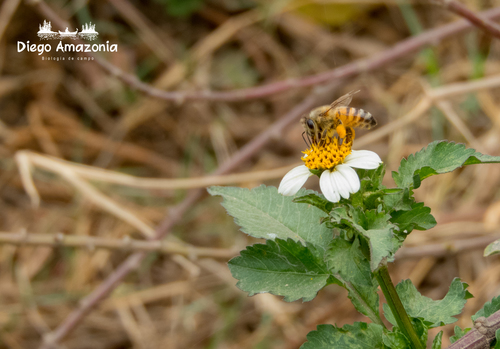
(88,32)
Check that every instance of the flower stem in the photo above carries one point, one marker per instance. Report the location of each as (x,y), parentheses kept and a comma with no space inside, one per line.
(399,312)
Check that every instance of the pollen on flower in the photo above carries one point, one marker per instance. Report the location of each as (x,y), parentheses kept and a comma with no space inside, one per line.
(327,155)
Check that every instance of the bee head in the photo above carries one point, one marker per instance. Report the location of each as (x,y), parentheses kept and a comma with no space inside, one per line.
(308,124)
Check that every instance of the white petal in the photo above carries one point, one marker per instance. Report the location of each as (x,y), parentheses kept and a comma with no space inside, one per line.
(294,180)
(350,176)
(341,183)
(328,187)
(364,159)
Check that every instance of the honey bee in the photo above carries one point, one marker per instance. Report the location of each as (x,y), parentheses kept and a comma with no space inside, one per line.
(323,122)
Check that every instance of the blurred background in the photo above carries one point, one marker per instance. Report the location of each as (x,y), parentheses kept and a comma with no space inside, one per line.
(182,295)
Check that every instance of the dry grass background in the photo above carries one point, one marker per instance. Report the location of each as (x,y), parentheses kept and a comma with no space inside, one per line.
(182,294)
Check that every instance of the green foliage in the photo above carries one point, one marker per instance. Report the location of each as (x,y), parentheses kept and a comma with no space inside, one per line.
(497,339)
(434,313)
(396,340)
(437,342)
(459,333)
(352,270)
(420,328)
(439,157)
(281,267)
(492,249)
(317,200)
(263,213)
(360,335)
(373,227)
(312,242)
(488,308)
(418,217)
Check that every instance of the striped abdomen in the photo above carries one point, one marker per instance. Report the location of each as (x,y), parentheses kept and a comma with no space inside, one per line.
(354,117)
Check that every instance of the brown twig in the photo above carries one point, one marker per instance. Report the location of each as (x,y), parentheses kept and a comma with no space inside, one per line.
(170,247)
(57,165)
(482,335)
(448,248)
(126,244)
(477,20)
(349,70)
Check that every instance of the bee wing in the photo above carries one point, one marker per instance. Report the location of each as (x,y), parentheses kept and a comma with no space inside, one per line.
(343,101)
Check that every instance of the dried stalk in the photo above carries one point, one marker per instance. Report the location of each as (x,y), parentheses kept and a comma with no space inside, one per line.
(126,244)
(482,335)
(170,247)
(50,163)
(26,160)
(477,20)
(446,248)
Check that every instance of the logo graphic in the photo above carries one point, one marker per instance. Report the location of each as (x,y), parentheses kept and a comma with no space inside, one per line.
(88,32)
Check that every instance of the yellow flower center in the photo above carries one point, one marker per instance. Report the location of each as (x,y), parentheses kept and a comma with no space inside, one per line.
(328,154)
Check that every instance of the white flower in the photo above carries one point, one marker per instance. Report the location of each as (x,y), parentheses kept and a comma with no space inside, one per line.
(341,181)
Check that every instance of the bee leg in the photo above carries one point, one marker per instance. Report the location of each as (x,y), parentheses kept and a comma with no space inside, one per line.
(350,135)
(305,140)
(341,131)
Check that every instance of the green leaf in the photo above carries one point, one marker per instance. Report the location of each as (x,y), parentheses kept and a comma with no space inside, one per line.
(492,249)
(437,342)
(497,339)
(419,217)
(488,308)
(396,340)
(281,267)
(372,179)
(360,335)
(439,157)
(374,227)
(398,199)
(420,328)
(352,269)
(434,313)
(370,189)
(478,158)
(263,213)
(317,200)
(459,333)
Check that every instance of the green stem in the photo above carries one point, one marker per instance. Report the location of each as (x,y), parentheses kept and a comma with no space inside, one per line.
(399,312)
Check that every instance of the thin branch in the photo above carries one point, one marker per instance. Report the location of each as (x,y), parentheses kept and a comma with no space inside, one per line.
(477,20)
(50,163)
(25,162)
(482,335)
(398,51)
(126,244)
(446,248)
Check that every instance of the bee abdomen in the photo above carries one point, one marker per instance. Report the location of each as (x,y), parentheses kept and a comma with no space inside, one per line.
(354,117)
(368,120)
